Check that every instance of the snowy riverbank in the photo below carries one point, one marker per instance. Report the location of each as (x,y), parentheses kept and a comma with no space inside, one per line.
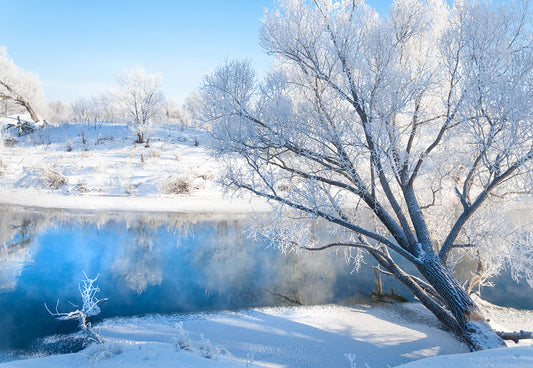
(82,166)
(100,168)
(320,336)
(181,204)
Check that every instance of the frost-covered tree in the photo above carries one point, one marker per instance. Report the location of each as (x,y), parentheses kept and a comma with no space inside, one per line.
(140,98)
(58,112)
(410,134)
(18,87)
(192,110)
(81,110)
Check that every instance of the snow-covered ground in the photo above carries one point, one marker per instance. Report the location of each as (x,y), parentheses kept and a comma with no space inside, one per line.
(100,167)
(83,166)
(310,337)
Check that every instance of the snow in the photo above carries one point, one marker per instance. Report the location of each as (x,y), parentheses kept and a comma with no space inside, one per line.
(317,336)
(497,358)
(105,170)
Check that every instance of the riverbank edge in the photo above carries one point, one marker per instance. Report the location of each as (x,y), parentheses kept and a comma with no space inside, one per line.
(170,204)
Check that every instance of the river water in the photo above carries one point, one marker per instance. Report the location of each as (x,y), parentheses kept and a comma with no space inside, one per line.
(165,263)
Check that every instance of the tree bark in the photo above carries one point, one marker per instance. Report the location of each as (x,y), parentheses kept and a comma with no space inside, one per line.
(473,326)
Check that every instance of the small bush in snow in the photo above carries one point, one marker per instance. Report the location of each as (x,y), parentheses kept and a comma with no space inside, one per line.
(10,142)
(81,187)
(182,341)
(351,359)
(96,352)
(53,179)
(204,348)
(177,185)
(207,349)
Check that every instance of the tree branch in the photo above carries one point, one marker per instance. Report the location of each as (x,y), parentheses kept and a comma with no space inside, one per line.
(515,336)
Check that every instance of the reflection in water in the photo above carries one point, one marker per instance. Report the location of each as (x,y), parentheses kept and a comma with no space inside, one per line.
(139,264)
(16,236)
(150,263)
(157,263)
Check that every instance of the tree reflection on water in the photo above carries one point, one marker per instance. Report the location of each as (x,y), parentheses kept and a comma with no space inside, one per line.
(158,263)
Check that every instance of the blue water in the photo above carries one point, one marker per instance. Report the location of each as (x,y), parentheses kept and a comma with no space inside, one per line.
(166,263)
(151,264)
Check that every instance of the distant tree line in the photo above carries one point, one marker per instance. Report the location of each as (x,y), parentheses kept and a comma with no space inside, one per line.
(137,100)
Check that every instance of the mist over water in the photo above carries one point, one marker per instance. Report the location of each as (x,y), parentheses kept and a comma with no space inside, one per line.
(160,263)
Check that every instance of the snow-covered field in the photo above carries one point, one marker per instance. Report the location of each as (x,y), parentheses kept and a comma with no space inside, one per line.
(83,166)
(99,167)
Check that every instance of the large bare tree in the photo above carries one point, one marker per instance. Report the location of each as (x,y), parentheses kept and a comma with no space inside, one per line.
(410,134)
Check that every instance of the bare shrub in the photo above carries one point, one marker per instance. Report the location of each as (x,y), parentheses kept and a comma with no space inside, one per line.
(81,187)
(177,185)
(53,179)
(10,142)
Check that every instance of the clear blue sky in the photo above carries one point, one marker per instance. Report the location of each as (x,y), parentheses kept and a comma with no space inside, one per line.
(77,47)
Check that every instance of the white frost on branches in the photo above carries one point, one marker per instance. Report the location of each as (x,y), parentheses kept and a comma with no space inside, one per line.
(90,308)
(411,132)
(19,89)
(140,98)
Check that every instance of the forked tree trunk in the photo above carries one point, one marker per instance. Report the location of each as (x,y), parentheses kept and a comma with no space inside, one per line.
(471,324)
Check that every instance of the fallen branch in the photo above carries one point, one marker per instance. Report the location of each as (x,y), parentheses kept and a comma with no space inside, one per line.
(514,336)
(90,308)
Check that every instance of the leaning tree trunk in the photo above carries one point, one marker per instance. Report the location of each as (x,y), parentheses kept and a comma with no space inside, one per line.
(472,325)
(19,100)
(28,108)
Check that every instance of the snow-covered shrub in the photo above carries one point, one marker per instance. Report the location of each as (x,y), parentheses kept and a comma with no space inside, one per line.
(182,341)
(207,348)
(204,348)
(81,187)
(177,185)
(351,359)
(97,352)
(53,179)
